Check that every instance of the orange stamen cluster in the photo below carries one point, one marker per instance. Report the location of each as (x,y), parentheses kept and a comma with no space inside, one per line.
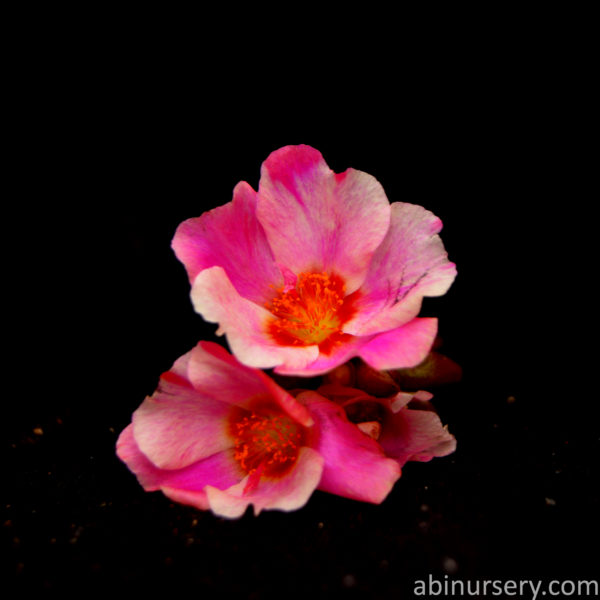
(269,442)
(311,313)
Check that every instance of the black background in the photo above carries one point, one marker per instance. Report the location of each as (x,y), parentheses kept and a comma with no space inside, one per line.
(115,150)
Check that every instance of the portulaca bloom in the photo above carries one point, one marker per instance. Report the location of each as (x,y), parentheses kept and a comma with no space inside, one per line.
(222,436)
(315,268)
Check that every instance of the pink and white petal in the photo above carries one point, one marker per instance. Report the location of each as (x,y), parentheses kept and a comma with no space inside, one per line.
(287,402)
(177,376)
(174,431)
(229,503)
(416,435)
(316,220)
(220,470)
(355,465)
(292,491)
(244,323)
(287,493)
(215,372)
(409,264)
(405,346)
(324,363)
(147,474)
(401,399)
(195,498)
(231,237)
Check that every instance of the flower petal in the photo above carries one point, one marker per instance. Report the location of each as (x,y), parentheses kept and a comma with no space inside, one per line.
(186,419)
(231,237)
(405,346)
(287,493)
(195,498)
(316,220)
(128,451)
(214,371)
(244,323)
(340,354)
(355,465)
(219,470)
(410,263)
(416,435)
(176,430)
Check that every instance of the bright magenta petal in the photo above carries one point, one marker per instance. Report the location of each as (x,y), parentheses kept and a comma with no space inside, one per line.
(244,323)
(405,346)
(355,465)
(231,237)
(416,435)
(316,220)
(410,263)
(287,493)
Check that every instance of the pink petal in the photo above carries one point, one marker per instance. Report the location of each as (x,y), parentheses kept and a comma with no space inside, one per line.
(288,493)
(219,470)
(316,220)
(416,435)
(147,474)
(409,264)
(197,499)
(180,424)
(174,431)
(214,371)
(244,324)
(355,465)
(186,419)
(231,237)
(326,362)
(405,346)
(370,428)
(402,399)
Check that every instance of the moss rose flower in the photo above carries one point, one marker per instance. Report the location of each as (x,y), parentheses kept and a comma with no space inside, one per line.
(315,268)
(222,436)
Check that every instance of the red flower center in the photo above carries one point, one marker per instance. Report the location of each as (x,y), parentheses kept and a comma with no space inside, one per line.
(312,313)
(265,441)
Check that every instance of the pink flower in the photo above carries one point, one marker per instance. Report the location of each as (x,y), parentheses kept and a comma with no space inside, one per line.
(316,268)
(219,435)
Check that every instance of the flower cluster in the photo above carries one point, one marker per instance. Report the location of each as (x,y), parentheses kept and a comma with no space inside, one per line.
(311,275)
